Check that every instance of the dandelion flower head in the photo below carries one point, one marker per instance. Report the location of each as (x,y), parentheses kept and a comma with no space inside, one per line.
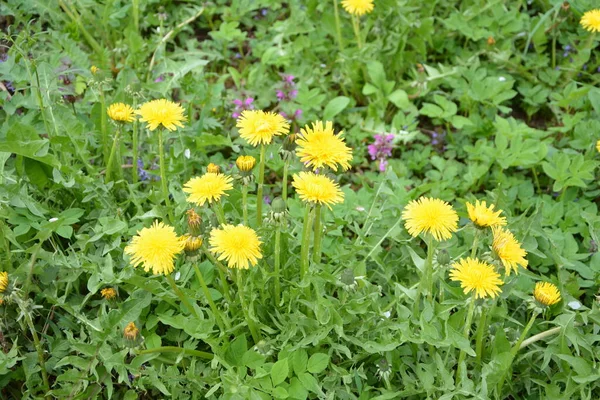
(238,245)
(319,189)
(156,248)
(590,21)
(162,112)
(546,293)
(208,187)
(484,216)
(432,216)
(508,250)
(358,7)
(259,127)
(320,147)
(120,112)
(477,276)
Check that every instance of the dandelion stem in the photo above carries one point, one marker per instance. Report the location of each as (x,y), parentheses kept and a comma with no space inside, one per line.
(113,150)
(284,188)
(462,354)
(338,29)
(356,26)
(181,296)
(253,330)
(175,349)
(317,234)
(245,203)
(222,275)
(480,334)
(261,179)
(218,317)
(163,176)
(218,209)
(276,278)
(38,348)
(103,128)
(428,281)
(540,336)
(475,243)
(134,145)
(306,227)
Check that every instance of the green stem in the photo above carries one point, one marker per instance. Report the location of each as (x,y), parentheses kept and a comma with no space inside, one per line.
(113,150)
(180,350)
(515,349)
(103,127)
(136,15)
(222,275)
(261,179)
(253,330)
(181,296)
(317,235)
(218,317)
(356,26)
(245,203)
(134,145)
(462,355)
(163,175)
(39,349)
(306,228)
(284,188)
(338,29)
(475,243)
(277,256)
(481,327)
(429,268)
(218,209)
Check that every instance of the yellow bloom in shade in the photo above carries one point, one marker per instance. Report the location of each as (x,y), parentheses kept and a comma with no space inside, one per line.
(131,331)
(208,187)
(546,293)
(108,293)
(120,112)
(213,168)
(3,281)
(94,70)
(156,248)
(598,145)
(477,276)
(238,245)
(508,250)
(315,188)
(162,112)
(259,127)
(433,216)
(358,7)
(319,147)
(245,163)
(590,21)
(483,216)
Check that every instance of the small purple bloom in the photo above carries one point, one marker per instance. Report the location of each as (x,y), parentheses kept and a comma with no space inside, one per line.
(288,90)
(242,105)
(160,78)
(280,95)
(267,199)
(298,113)
(248,102)
(381,149)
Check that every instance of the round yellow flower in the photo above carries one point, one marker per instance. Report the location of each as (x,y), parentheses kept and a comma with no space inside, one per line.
(508,250)
(108,293)
(213,168)
(192,243)
(358,7)
(120,112)
(238,245)
(546,293)
(162,112)
(483,216)
(3,281)
(245,163)
(317,189)
(477,276)
(156,248)
(131,331)
(598,145)
(319,147)
(590,21)
(433,216)
(259,127)
(208,187)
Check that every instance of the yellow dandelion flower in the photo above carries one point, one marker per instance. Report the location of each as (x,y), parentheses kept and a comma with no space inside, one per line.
(131,331)
(156,248)
(477,276)
(598,145)
(245,163)
(192,243)
(238,245)
(433,216)
(319,147)
(546,293)
(590,21)
(94,70)
(3,281)
(508,250)
(208,187)
(358,7)
(213,168)
(108,293)
(120,112)
(162,112)
(259,127)
(483,216)
(315,188)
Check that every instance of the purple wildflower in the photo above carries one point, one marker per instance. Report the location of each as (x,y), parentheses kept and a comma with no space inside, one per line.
(242,105)
(288,91)
(267,199)
(160,78)
(142,173)
(381,149)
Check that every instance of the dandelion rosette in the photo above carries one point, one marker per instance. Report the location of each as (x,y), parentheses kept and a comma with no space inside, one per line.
(477,276)
(358,7)
(546,293)
(508,250)
(208,187)
(120,112)
(432,216)
(590,21)
(319,147)
(156,248)
(484,216)
(162,112)
(259,127)
(319,189)
(238,245)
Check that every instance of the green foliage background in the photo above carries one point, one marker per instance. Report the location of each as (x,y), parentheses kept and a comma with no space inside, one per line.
(518,114)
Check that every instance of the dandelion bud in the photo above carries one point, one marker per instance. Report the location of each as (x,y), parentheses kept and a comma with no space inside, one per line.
(347,277)
(443,258)
(278,210)
(491,41)
(289,143)
(131,335)
(108,293)
(194,221)
(3,281)
(213,168)
(546,293)
(245,163)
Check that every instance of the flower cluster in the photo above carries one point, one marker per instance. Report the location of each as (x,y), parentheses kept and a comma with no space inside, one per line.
(242,105)
(381,149)
(288,91)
